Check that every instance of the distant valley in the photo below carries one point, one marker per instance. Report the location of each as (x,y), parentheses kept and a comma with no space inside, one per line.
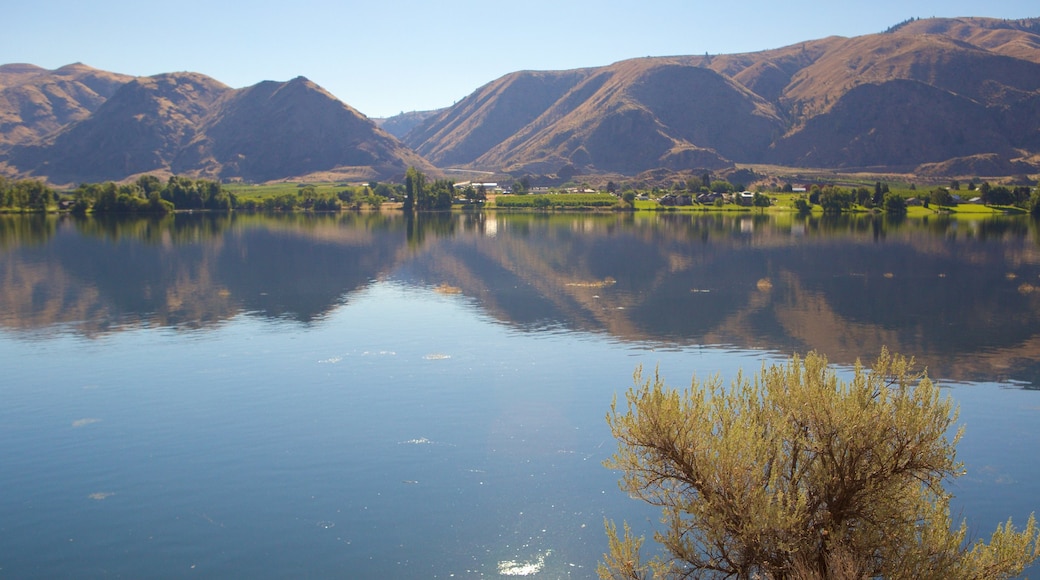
(932,97)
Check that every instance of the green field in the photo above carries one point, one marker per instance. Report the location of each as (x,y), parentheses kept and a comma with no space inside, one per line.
(246,191)
(555,200)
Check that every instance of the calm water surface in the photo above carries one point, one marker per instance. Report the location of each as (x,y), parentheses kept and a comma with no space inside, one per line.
(364,396)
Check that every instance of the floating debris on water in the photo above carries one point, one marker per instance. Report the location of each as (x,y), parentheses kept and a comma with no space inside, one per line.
(447,289)
(100,495)
(331,360)
(608,281)
(419,441)
(84,422)
(437,356)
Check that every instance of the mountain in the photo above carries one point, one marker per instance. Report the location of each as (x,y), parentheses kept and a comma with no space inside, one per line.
(35,102)
(928,95)
(190,124)
(140,129)
(936,97)
(400,125)
(312,130)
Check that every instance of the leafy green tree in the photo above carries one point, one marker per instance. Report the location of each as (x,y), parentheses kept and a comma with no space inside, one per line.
(1034,204)
(835,200)
(26,195)
(307,195)
(760,200)
(941,196)
(721,186)
(802,205)
(814,194)
(149,184)
(438,196)
(522,186)
(415,188)
(36,194)
(348,196)
(998,195)
(863,196)
(895,204)
(801,474)
(214,196)
(383,190)
(880,189)
(1021,194)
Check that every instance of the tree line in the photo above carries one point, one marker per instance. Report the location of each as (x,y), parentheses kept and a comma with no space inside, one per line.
(149,194)
(420,194)
(26,195)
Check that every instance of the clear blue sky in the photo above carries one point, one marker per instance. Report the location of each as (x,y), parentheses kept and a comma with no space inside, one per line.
(387,56)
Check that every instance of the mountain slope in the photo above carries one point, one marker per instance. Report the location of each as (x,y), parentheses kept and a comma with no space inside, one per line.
(140,129)
(926,92)
(400,125)
(658,114)
(35,102)
(928,96)
(190,124)
(491,115)
(275,130)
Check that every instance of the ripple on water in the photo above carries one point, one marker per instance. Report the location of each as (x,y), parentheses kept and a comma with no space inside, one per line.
(523,568)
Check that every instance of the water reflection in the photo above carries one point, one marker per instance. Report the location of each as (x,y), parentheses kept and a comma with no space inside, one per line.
(964,297)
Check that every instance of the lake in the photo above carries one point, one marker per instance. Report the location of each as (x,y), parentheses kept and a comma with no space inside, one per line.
(362,395)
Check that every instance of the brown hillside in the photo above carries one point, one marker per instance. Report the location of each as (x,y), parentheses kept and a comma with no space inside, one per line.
(17,73)
(641,114)
(938,61)
(769,72)
(983,165)
(897,124)
(928,91)
(276,130)
(491,115)
(35,102)
(190,124)
(1015,38)
(935,94)
(401,124)
(140,129)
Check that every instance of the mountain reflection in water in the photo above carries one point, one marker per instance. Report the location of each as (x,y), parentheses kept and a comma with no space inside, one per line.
(961,296)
